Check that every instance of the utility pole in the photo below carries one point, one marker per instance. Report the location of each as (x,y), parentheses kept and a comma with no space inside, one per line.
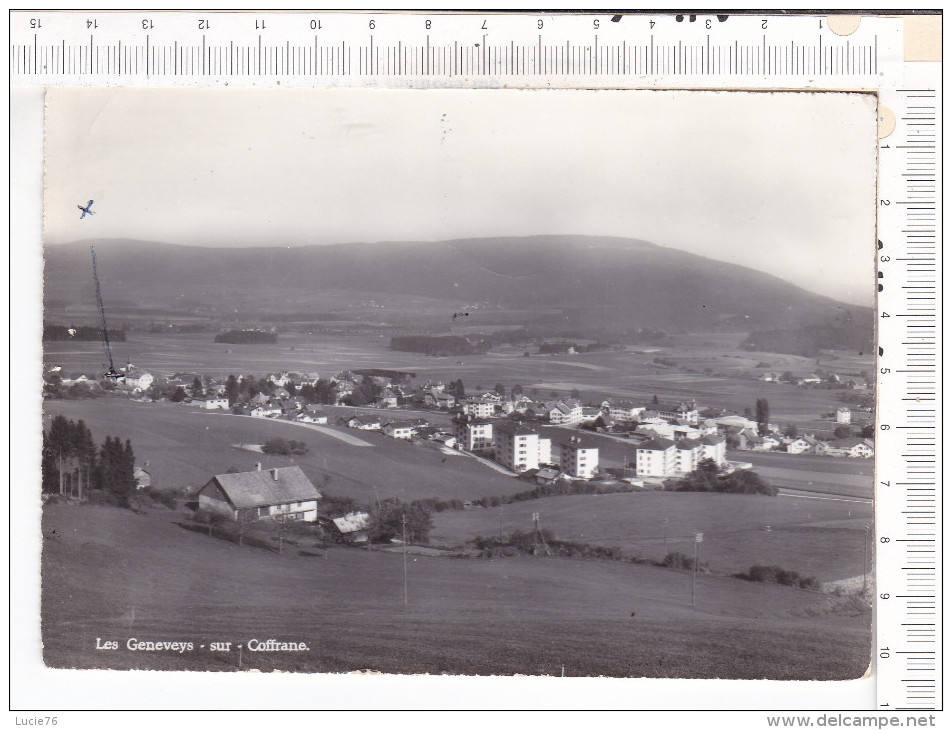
(698,539)
(406,600)
(61,472)
(665,538)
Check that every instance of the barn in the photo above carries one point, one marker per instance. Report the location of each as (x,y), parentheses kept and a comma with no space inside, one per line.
(283,494)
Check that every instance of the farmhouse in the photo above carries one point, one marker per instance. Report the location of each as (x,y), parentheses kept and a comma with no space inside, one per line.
(282,494)
(212,403)
(843,415)
(312,414)
(136,380)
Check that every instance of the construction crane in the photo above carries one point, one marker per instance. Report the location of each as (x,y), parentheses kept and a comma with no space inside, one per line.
(112,373)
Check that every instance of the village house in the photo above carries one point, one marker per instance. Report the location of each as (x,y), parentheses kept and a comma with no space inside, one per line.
(843,415)
(260,399)
(142,477)
(656,458)
(564,411)
(135,380)
(283,494)
(211,403)
(312,413)
(364,423)
(269,410)
(802,445)
(446,439)
(622,410)
(386,399)
(675,412)
(854,447)
(439,399)
(578,458)
(279,379)
(399,430)
(474,434)
(519,447)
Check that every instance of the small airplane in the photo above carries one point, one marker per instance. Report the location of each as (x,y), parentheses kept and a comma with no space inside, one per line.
(86,209)
(455,314)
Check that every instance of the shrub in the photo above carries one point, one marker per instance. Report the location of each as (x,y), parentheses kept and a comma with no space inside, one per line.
(678,561)
(781,576)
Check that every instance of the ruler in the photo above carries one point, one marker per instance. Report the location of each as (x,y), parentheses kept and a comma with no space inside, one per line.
(643,50)
(908,496)
(124,48)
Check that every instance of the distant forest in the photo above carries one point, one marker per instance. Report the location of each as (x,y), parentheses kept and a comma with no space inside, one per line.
(441,345)
(245,337)
(53,332)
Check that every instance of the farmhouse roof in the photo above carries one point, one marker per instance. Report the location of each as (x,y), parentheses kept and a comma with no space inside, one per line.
(658,444)
(399,424)
(547,473)
(688,443)
(576,442)
(712,440)
(262,488)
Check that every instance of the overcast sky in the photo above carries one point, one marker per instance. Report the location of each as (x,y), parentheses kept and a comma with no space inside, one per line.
(781,182)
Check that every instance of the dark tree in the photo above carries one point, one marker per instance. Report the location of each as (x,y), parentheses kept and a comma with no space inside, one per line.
(232,389)
(198,390)
(500,389)
(575,394)
(388,523)
(763,416)
(868,431)
(516,391)
(654,400)
(790,431)
(116,470)
(843,431)
(178,395)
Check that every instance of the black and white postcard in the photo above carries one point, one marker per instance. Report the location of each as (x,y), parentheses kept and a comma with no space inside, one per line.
(558,383)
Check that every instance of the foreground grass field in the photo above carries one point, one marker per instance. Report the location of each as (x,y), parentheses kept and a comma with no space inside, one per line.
(818,537)
(114,575)
(186,447)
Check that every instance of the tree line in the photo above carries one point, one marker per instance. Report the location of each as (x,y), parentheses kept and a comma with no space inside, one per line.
(72,463)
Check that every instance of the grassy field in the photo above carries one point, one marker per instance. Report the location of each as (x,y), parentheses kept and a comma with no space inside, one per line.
(114,575)
(185,447)
(818,537)
(630,374)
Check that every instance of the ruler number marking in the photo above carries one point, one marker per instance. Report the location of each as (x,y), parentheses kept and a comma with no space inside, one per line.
(147,24)
(316,25)
(35,23)
(372,24)
(203,25)
(92,24)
